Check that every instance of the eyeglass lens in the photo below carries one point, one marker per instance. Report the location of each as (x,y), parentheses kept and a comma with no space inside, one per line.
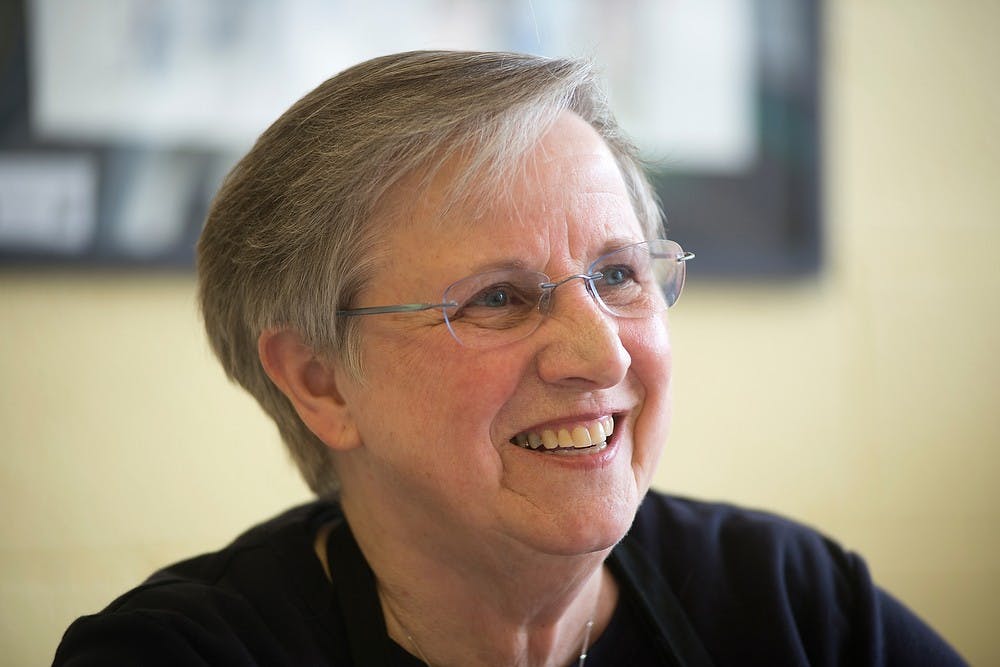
(499,307)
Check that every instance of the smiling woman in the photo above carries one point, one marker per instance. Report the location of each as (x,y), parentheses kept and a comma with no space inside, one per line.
(443,275)
(461,476)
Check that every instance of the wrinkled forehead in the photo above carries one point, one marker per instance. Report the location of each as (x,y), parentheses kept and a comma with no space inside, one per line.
(464,188)
(556,208)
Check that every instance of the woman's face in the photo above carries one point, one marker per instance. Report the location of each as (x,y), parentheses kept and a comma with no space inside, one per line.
(439,423)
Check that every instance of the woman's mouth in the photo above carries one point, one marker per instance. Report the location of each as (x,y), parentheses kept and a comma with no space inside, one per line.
(582,435)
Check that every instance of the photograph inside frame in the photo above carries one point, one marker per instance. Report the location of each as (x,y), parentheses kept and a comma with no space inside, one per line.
(138,109)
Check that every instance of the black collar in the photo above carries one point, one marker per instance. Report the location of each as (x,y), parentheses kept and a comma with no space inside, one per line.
(357,599)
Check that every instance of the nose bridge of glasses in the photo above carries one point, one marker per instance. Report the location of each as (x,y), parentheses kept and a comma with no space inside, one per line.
(547,289)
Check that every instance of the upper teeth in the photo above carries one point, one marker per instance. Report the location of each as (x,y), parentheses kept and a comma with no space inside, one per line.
(570,437)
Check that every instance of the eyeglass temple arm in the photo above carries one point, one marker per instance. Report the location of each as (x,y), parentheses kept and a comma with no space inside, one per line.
(401,308)
(683,257)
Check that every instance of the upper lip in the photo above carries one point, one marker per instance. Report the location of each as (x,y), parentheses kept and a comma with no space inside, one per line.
(571,418)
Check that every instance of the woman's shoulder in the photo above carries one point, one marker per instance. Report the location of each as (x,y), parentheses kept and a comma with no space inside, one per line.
(261,596)
(717,532)
(764,589)
(719,556)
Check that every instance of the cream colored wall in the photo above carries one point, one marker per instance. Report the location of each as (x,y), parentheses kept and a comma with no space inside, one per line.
(863,401)
(866,401)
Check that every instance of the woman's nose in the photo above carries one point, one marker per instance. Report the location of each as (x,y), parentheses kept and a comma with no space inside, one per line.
(581,342)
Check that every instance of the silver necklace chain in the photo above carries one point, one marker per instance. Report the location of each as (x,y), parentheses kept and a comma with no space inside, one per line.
(583,649)
(586,643)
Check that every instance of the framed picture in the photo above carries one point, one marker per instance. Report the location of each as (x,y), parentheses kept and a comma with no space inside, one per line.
(119,119)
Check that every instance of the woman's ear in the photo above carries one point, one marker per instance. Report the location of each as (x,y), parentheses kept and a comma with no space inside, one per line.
(310,384)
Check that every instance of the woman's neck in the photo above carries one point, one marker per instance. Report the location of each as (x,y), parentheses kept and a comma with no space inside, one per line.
(453,625)
(492,604)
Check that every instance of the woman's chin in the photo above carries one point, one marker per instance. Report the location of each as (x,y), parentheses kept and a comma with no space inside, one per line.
(577,531)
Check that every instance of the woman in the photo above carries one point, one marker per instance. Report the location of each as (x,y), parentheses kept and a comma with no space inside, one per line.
(442,274)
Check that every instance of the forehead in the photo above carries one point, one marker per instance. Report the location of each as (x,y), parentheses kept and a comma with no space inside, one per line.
(569,178)
(558,208)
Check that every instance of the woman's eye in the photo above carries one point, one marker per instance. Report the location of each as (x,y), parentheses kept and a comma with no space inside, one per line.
(616,275)
(494,297)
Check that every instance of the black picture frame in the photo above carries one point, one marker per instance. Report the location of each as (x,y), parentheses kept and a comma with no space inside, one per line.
(763,221)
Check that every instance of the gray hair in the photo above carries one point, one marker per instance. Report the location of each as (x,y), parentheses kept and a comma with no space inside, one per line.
(291,235)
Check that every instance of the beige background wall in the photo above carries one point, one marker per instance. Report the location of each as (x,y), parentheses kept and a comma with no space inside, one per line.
(863,401)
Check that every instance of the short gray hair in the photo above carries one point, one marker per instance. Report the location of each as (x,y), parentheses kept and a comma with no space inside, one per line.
(290,236)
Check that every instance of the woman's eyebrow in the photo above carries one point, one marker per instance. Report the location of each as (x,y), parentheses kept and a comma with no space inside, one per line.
(517,264)
(617,243)
(500,265)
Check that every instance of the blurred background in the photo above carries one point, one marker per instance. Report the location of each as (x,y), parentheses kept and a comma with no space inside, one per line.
(835,166)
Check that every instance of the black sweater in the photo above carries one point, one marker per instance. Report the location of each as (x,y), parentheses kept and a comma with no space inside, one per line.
(700,584)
